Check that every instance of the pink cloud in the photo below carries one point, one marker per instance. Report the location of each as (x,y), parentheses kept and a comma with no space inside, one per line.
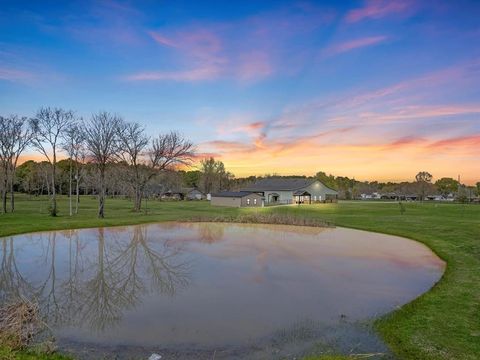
(415,112)
(162,40)
(199,74)
(353,44)
(251,129)
(469,142)
(205,51)
(197,43)
(200,48)
(407,141)
(10,74)
(377,9)
(254,65)
(228,146)
(246,50)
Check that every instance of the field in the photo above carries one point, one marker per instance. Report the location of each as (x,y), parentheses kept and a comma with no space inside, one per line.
(442,324)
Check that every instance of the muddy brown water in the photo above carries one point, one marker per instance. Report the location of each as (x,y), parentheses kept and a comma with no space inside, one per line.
(215,290)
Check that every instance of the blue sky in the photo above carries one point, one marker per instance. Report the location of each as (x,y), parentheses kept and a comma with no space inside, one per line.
(371,89)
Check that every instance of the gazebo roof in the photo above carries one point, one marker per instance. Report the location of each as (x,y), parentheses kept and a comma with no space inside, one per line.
(301,193)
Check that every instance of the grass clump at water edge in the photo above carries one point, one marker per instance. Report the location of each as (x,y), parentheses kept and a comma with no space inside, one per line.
(20,328)
(266,218)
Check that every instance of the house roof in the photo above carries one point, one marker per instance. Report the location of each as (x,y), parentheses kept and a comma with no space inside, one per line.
(188,190)
(278,184)
(238,194)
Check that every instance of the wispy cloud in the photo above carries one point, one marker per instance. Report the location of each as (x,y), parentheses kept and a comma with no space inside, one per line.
(254,65)
(247,50)
(377,9)
(471,143)
(353,45)
(198,74)
(104,23)
(15,75)
(23,66)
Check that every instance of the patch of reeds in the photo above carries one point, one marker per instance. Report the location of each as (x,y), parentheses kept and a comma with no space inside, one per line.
(19,323)
(267,218)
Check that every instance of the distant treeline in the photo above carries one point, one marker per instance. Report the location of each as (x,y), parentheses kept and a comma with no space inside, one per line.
(211,176)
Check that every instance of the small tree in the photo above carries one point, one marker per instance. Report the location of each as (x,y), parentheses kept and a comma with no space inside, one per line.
(49,126)
(213,175)
(15,136)
(462,194)
(101,144)
(423,179)
(73,144)
(446,186)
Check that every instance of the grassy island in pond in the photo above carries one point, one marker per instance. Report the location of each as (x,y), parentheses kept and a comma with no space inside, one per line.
(442,324)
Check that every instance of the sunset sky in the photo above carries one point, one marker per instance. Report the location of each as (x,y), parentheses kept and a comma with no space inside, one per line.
(365,89)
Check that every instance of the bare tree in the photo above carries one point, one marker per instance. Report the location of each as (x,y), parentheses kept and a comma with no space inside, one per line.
(146,161)
(49,126)
(15,136)
(101,144)
(132,146)
(167,151)
(73,144)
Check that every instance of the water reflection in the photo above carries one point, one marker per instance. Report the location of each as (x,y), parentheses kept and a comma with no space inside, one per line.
(209,286)
(93,276)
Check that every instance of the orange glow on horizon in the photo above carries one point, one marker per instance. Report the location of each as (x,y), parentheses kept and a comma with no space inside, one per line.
(396,162)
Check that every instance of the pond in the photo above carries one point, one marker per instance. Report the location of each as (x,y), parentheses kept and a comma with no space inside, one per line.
(214,290)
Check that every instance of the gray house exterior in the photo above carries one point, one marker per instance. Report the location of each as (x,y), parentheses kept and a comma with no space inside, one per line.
(194,194)
(237,199)
(292,191)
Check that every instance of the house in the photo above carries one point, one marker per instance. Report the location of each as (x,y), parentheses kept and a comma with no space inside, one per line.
(237,199)
(372,196)
(193,194)
(435,197)
(292,191)
(173,195)
(390,196)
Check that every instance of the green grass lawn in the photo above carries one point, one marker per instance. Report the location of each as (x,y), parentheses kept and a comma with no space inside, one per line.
(442,324)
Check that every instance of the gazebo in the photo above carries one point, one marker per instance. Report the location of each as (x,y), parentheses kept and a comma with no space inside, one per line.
(302,197)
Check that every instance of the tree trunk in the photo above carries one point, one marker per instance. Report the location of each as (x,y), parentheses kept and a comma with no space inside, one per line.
(70,189)
(53,211)
(47,184)
(137,203)
(5,191)
(77,184)
(12,194)
(138,199)
(101,195)
(4,200)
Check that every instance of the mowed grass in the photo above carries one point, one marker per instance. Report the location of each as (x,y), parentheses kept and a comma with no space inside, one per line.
(442,324)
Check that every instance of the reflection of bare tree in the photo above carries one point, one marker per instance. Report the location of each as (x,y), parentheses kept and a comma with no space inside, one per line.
(103,298)
(47,291)
(93,285)
(12,282)
(71,286)
(161,271)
